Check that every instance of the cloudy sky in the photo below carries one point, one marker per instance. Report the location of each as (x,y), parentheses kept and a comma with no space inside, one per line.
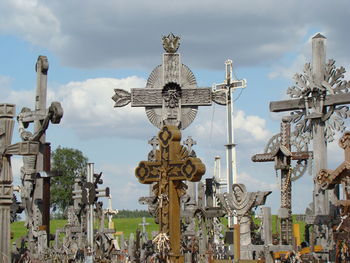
(94,47)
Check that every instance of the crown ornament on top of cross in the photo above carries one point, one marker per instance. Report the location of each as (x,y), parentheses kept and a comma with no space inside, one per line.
(171,43)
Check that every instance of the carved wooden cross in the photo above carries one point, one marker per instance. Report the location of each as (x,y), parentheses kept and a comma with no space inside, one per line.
(169,170)
(40,164)
(319,93)
(171,96)
(282,156)
(7,112)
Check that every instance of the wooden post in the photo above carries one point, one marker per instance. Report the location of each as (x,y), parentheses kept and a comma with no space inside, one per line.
(236,243)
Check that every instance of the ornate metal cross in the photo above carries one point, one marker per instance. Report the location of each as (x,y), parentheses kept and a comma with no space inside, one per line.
(169,170)
(171,96)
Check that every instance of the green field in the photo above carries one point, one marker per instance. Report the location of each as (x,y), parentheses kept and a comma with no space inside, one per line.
(128,226)
(125,225)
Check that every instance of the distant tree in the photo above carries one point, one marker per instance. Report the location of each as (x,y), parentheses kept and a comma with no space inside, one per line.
(70,163)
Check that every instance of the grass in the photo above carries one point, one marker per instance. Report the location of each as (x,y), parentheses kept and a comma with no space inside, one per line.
(125,225)
(129,225)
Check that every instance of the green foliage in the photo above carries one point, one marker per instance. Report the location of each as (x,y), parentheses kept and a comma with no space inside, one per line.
(132,214)
(70,163)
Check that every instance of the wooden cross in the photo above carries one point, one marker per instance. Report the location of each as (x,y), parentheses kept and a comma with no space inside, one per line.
(169,170)
(171,96)
(40,164)
(330,179)
(317,94)
(282,156)
(320,94)
(7,112)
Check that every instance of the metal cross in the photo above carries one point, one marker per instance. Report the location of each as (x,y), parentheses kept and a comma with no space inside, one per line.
(229,86)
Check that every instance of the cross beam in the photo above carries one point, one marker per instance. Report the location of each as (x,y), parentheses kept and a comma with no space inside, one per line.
(299,104)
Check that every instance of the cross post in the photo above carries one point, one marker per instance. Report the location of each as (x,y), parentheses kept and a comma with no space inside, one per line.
(168,171)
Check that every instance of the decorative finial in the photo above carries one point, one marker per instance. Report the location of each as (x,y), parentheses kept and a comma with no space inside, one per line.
(171,43)
(319,35)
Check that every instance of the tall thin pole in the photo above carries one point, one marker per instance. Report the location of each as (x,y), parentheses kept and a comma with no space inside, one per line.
(90,217)
(231,146)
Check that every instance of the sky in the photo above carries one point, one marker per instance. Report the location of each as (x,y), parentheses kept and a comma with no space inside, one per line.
(94,47)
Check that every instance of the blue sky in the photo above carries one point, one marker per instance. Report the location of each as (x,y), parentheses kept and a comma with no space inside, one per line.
(94,48)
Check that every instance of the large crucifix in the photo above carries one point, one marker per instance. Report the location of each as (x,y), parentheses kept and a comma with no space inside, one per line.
(318,99)
(36,169)
(171,96)
(172,166)
(280,152)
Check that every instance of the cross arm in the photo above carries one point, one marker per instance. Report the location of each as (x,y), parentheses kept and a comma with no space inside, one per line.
(192,169)
(299,104)
(269,157)
(147,172)
(23,148)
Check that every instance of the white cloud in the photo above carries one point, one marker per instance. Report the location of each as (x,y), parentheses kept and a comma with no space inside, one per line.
(247,129)
(89,108)
(5,81)
(289,71)
(31,20)
(124,34)
(124,186)
(256,184)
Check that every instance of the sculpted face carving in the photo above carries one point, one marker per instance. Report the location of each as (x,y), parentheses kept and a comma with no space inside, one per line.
(239,192)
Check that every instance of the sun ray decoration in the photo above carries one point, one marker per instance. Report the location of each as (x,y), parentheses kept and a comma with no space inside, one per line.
(314,96)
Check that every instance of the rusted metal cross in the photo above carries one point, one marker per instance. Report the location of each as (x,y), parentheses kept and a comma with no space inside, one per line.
(172,166)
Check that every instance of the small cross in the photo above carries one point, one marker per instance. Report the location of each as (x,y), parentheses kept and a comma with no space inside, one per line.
(154,142)
(229,82)
(189,142)
(144,224)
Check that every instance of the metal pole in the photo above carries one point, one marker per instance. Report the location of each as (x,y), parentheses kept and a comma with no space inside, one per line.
(230,146)
(90,217)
